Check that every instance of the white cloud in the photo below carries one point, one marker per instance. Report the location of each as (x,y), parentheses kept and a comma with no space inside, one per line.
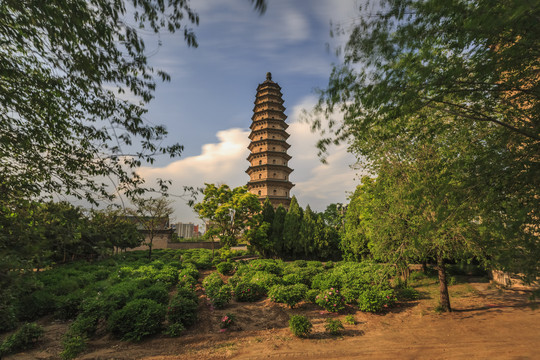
(317,184)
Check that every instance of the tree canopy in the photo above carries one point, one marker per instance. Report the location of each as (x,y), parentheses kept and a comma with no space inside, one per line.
(460,77)
(74,82)
(228,212)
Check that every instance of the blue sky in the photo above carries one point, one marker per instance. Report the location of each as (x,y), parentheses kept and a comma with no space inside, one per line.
(208,104)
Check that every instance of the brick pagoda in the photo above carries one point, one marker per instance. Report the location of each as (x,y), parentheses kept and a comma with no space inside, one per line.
(269,171)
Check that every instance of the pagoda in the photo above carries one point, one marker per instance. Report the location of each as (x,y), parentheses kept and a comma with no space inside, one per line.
(268,159)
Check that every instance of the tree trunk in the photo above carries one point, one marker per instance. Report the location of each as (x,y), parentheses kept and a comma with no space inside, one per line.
(443,287)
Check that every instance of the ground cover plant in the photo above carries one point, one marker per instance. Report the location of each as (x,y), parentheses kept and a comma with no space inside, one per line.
(127,293)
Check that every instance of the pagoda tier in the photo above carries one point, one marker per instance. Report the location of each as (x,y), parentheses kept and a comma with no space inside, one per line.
(268,159)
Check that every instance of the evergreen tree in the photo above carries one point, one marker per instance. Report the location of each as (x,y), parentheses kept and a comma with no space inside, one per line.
(277,231)
(291,229)
(308,232)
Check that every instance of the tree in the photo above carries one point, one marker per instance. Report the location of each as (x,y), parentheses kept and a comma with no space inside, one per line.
(355,238)
(229,212)
(112,229)
(260,237)
(277,231)
(424,73)
(308,232)
(291,230)
(64,70)
(152,214)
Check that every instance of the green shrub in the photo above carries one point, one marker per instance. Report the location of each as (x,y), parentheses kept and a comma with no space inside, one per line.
(334,326)
(118,295)
(222,296)
(248,292)
(350,295)
(265,280)
(300,325)
(212,283)
(182,309)
(407,293)
(69,306)
(189,269)
(187,281)
(36,304)
(288,294)
(225,268)
(73,345)
(84,325)
(326,281)
(167,275)
(175,329)
(227,321)
(331,300)
(314,264)
(329,265)
(311,295)
(374,299)
(349,319)
(157,292)
(291,279)
(300,263)
(8,314)
(24,338)
(138,319)
(267,265)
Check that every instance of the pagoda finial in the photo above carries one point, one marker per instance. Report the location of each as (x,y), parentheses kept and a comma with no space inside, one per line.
(269,76)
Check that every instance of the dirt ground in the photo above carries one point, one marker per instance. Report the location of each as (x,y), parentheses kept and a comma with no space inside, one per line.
(487,323)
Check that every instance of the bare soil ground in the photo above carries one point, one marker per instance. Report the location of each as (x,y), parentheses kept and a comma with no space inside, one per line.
(487,323)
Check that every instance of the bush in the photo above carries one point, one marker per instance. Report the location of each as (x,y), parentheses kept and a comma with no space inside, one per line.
(291,279)
(248,292)
(187,281)
(212,283)
(36,304)
(8,314)
(227,321)
(157,292)
(24,338)
(311,295)
(69,306)
(175,329)
(266,265)
(374,299)
(222,296)
(326,281)
(225,268)
(73,345)
(182,310)
(300,325)
(349,319)
(288,294)
(350,295)
(138,319)
(189,269)
(407,293)
(334,327)
(331,300)
(265,279)
(300,263)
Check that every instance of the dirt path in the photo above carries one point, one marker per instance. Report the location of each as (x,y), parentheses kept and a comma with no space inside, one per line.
(487,324)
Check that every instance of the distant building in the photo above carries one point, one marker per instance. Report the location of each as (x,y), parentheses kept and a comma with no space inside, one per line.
(161,232)
(269,171)
(186,231)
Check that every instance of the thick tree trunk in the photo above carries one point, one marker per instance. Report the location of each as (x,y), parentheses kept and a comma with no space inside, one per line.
(443,286)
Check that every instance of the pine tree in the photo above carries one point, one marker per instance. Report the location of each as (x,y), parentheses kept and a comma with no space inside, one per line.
(291,229)
(277,231)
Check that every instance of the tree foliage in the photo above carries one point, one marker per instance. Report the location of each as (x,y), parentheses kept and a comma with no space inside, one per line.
(74,82)
(454,85)
(228,212)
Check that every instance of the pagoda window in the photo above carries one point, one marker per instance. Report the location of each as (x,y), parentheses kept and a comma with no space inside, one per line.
(274,148)
(260,138)
(260,162)
(275,191)
(274,174)
(274,161)
(259,192)
(260,175)
(260,149)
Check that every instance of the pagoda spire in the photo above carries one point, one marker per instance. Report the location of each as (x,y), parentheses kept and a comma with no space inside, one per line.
(268,159)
